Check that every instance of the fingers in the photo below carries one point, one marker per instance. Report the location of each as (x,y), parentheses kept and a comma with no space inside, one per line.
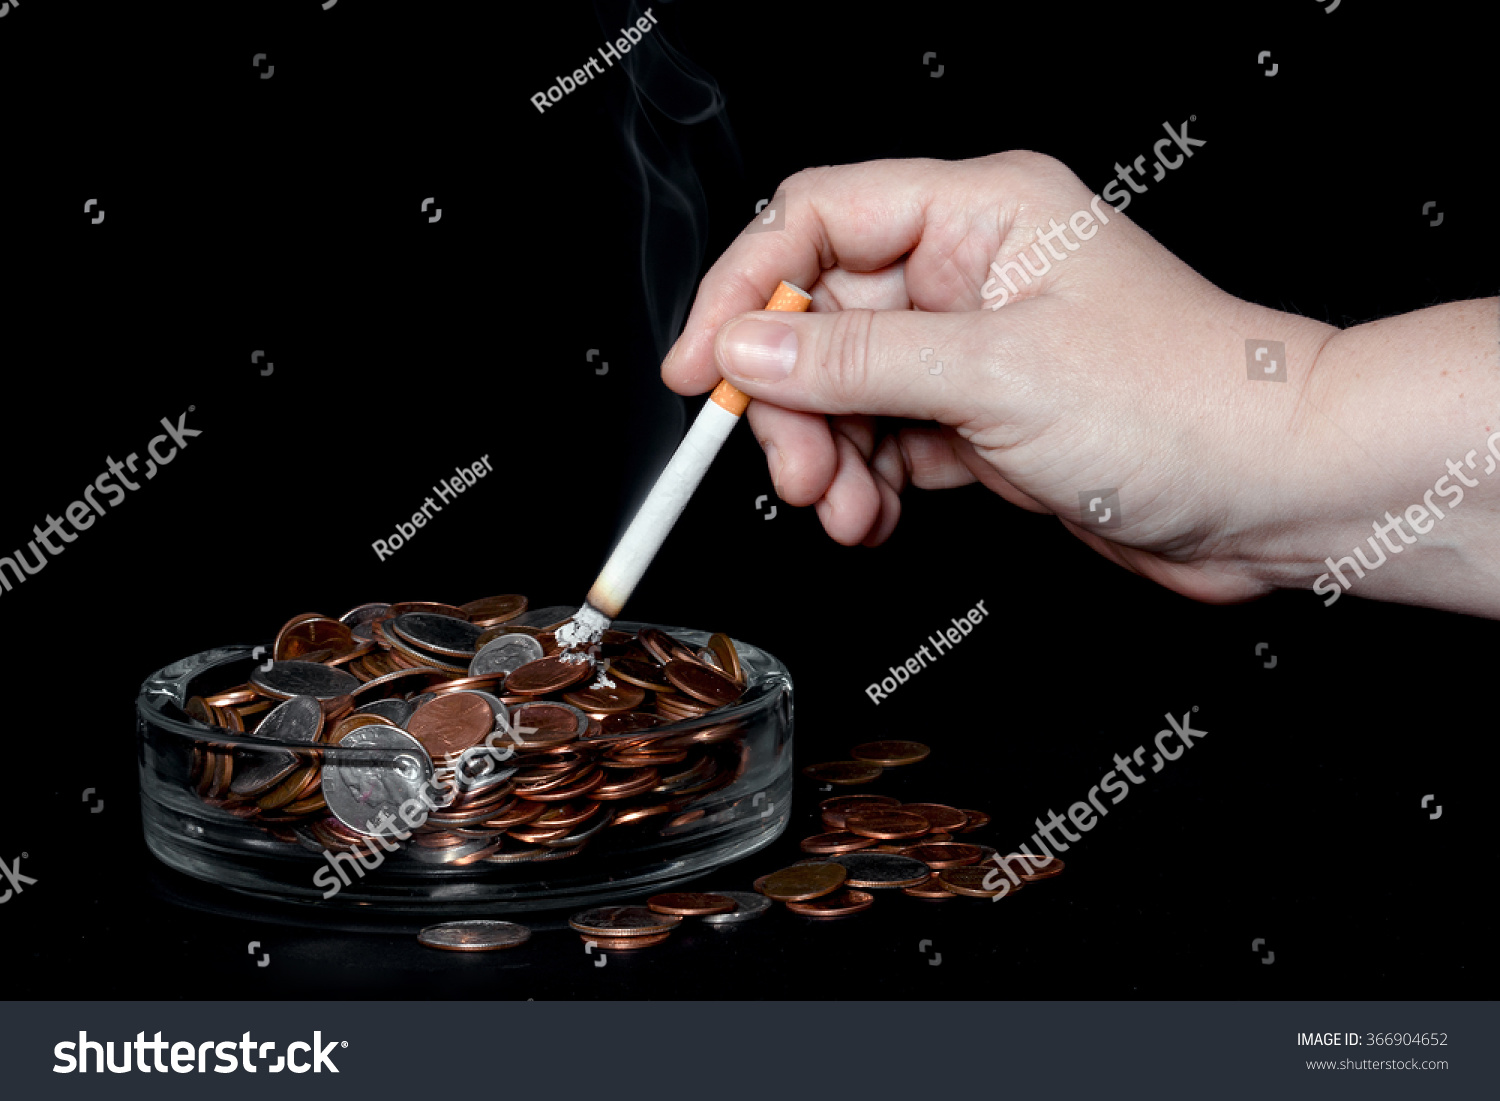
(852,505)
(890,362)
(800,453)
(858,218)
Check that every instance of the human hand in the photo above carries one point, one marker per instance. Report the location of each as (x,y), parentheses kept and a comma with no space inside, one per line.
(1111,365)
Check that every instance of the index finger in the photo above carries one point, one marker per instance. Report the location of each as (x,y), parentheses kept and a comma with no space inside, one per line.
(860,217)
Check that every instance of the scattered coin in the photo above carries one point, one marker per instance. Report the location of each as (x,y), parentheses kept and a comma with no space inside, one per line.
(692,904)
(933,888)
(938,816)
(607,922)
(494,610)
(837,904)
(977,819)
(976,881)
(840,841)
(474,936)
(625,944)
(803,881)
(866,869)
(938,855)
(885,823)
(890,754)
(751,905)
(843,772)
(550,674)
(1031,867)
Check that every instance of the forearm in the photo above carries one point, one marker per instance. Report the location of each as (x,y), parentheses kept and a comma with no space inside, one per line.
(1399,459)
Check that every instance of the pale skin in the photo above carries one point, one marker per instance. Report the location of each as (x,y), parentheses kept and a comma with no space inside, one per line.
(1120,367)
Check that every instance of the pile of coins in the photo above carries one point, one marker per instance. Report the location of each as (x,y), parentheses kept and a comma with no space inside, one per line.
(426,689)
(876,841)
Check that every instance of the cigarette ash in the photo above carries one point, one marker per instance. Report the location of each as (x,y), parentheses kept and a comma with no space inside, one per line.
(602,681)
(572,657)
(584,629)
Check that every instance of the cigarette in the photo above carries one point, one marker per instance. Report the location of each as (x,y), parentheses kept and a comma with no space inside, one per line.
(668,497)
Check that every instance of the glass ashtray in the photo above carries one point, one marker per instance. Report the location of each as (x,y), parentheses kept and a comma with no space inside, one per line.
(676,801)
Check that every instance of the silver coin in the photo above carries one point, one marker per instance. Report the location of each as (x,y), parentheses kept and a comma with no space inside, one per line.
(366,792)
(505,655)
(418,701)
(286,679)
(623,921)
(449,854)
(474,936)
(393,710)
(543,617)
(881,869)
(299,719)
(358,620)
(442,634)
(752,905)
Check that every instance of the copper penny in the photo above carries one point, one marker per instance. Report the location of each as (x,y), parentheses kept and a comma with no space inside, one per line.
(976,881)
(838,904)
(692,904)
(728,657)
(493,610)
(843,772)
(840,841)
(608,922)
(939,817)
(933,889)
(304,634)
(890,754)
(833,810)
(977,819)
(662,646)
(703,683)
(642,674)
(609,701)
(549,675)
(801,882)
(624,944)
(451,723)
(885,823)
(1031,867)
(944,855)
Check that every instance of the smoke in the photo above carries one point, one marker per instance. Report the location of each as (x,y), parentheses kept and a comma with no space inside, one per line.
(671,114)
(669,97)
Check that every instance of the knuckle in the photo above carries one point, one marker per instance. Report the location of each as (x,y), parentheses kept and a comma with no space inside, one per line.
(844,355)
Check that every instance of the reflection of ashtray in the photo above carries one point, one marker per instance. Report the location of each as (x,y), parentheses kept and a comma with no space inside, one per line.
(721,789)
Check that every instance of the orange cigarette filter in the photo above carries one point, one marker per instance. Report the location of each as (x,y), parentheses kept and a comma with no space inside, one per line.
(787,299)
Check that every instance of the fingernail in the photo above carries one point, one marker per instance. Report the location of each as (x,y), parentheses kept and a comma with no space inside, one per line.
(764,351)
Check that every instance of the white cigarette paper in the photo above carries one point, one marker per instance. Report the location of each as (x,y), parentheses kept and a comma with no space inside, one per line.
(668,497)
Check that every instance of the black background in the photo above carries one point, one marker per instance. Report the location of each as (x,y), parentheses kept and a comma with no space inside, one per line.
(283,215)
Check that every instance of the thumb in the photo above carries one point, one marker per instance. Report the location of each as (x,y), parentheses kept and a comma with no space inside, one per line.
(897,363)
